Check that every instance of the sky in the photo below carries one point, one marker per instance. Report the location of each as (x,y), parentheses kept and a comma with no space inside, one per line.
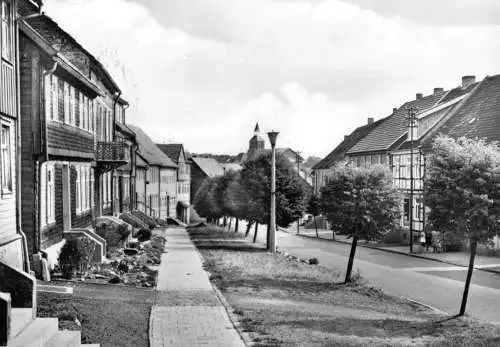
(203,72)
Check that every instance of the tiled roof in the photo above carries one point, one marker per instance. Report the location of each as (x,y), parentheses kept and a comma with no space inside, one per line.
(172,150)
(393,128)
(209,166)
(139,162)
(149,150)
(457,92)
(479,116)
(45,26)
(339,152)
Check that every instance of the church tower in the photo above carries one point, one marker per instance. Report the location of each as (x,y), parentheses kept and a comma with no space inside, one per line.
(256,145)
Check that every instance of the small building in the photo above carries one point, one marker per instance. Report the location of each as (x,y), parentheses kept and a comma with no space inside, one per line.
(175,151)
(160,198)
(202,168)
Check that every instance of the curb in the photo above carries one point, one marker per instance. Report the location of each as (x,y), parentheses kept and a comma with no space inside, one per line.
(432,308)
(403,253)
(233,318)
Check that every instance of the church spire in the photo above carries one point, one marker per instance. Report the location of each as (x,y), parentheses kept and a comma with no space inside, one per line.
(257,129)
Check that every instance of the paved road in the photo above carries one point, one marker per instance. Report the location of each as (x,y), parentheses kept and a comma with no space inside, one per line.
(436,284)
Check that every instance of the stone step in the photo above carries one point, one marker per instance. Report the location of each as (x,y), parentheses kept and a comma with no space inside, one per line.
(65,338)
(20,318)
(36,334)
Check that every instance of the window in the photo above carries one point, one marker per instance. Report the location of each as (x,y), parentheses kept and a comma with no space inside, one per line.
(6,30)
(92,182)
(72,105)
(60,100)
(78,202)
(48,192)
(6,159)
(406,211)
(66,103)
(55,99)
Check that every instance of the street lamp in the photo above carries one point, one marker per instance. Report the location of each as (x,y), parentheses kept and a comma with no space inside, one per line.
(273,135)
(412,123)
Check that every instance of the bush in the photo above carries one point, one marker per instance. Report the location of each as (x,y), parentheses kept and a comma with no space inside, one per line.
(124,232)
(70,258)
(143,234)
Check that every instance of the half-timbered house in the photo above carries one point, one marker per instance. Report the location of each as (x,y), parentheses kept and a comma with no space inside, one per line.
(177,154)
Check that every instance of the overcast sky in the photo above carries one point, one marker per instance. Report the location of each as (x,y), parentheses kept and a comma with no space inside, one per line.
(203,72)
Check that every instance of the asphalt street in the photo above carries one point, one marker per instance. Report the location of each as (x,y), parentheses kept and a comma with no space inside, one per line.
(430,282)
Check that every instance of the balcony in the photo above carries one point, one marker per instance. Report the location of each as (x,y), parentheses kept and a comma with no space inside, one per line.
(111,155)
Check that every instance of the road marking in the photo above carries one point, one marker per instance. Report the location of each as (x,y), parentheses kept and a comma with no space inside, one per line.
(440,268)
(486,266)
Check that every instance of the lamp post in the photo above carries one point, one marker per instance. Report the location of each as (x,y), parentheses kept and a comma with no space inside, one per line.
(412,122)
(273,135)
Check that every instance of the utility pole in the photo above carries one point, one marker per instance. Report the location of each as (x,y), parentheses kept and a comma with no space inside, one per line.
(298,173)
(412,123)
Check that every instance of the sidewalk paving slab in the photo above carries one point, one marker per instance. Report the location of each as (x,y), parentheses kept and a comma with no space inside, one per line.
(187,310)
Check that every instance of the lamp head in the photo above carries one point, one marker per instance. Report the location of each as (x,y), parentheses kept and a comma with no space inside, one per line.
(273,135)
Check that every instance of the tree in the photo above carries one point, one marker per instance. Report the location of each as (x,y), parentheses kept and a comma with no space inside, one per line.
(313,207)
(362,202)
(462,189)
(291,192)
(205,200)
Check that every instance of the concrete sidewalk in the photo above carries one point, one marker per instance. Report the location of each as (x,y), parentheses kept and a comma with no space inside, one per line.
(187,310)
(482,262)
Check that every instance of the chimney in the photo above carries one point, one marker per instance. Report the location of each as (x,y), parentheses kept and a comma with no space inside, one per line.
(468,80)
(370,121)
(419,96)
(346,137)
(438,91)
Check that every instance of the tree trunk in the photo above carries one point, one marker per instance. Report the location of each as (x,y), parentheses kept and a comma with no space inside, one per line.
(249,226)
(268,237)
(473,248)
(230,222)
(351,259)
(236,225)
(255,232)
(224,220)
(316,226)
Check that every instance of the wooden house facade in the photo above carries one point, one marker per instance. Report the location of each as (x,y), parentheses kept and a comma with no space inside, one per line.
(11,236)
(57,151)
